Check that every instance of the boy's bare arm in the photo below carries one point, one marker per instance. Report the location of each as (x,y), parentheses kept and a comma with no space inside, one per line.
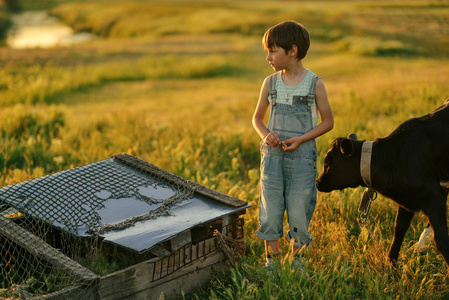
(324,109)
(270,138)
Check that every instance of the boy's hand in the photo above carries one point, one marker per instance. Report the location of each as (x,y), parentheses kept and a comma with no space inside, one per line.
(291,144)
(272,139)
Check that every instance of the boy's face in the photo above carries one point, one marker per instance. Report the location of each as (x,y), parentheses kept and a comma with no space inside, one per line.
(277,58)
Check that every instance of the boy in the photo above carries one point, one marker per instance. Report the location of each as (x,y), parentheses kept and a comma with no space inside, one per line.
(295,96)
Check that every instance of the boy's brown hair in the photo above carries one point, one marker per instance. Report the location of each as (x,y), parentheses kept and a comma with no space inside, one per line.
(285,35)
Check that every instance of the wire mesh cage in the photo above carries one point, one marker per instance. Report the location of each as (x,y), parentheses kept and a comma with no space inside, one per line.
(53,228)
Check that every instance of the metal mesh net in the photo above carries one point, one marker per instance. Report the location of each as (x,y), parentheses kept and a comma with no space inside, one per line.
(50,229)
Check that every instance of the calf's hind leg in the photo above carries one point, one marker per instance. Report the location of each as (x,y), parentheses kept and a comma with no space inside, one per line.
(403,220)
(437,218)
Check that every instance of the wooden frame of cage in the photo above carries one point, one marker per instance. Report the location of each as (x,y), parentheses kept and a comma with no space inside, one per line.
(184,267)
(187,267)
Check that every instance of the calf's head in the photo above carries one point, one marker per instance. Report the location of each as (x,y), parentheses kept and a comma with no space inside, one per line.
(341,165)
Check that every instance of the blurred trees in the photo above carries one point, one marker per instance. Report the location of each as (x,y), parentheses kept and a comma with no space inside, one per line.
(10,5)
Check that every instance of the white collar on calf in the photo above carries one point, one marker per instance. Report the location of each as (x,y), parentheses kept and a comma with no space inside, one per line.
(365,162)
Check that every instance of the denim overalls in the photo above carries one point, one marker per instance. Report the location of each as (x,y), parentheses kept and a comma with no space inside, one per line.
(287,179)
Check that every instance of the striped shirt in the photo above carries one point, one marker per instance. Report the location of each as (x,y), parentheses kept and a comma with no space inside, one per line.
(285,93)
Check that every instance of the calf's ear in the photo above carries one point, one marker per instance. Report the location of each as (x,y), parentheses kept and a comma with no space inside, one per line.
(346,147)
(352,136)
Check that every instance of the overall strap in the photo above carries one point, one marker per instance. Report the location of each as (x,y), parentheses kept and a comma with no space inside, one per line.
(273,91)
(273,95)
(311,99)
(313,86)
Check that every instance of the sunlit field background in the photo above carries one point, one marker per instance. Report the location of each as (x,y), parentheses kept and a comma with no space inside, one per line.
(176,83)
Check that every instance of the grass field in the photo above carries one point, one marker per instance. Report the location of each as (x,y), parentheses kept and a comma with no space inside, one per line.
(176,84)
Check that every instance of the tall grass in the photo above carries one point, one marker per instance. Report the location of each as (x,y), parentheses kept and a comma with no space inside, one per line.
(4,24)
(179,90)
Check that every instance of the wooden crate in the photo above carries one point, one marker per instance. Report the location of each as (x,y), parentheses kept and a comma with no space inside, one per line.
(184,269)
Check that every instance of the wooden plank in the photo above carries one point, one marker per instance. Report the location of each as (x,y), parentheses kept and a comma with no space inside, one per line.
(120,284)
(186,279)
(180,240)
(180,258)
(167,265)
(143,276)
(159,251)
(72,293)
(42,250)
(189,280)
(225,224)
(9,211)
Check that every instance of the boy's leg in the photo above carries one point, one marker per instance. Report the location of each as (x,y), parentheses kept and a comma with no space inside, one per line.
(300,201)
(298,251)
(271,250)
(297,258)
(298,211)
(271,204)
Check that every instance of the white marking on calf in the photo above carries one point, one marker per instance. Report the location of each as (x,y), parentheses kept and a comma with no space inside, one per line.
(444,184)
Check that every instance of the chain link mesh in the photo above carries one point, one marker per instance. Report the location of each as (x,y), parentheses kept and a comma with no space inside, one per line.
(50,228)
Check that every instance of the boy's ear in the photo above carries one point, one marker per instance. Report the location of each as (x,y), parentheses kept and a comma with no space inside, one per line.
(294,50)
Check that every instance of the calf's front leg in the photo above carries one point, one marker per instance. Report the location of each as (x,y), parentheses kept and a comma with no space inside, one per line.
(403,220)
